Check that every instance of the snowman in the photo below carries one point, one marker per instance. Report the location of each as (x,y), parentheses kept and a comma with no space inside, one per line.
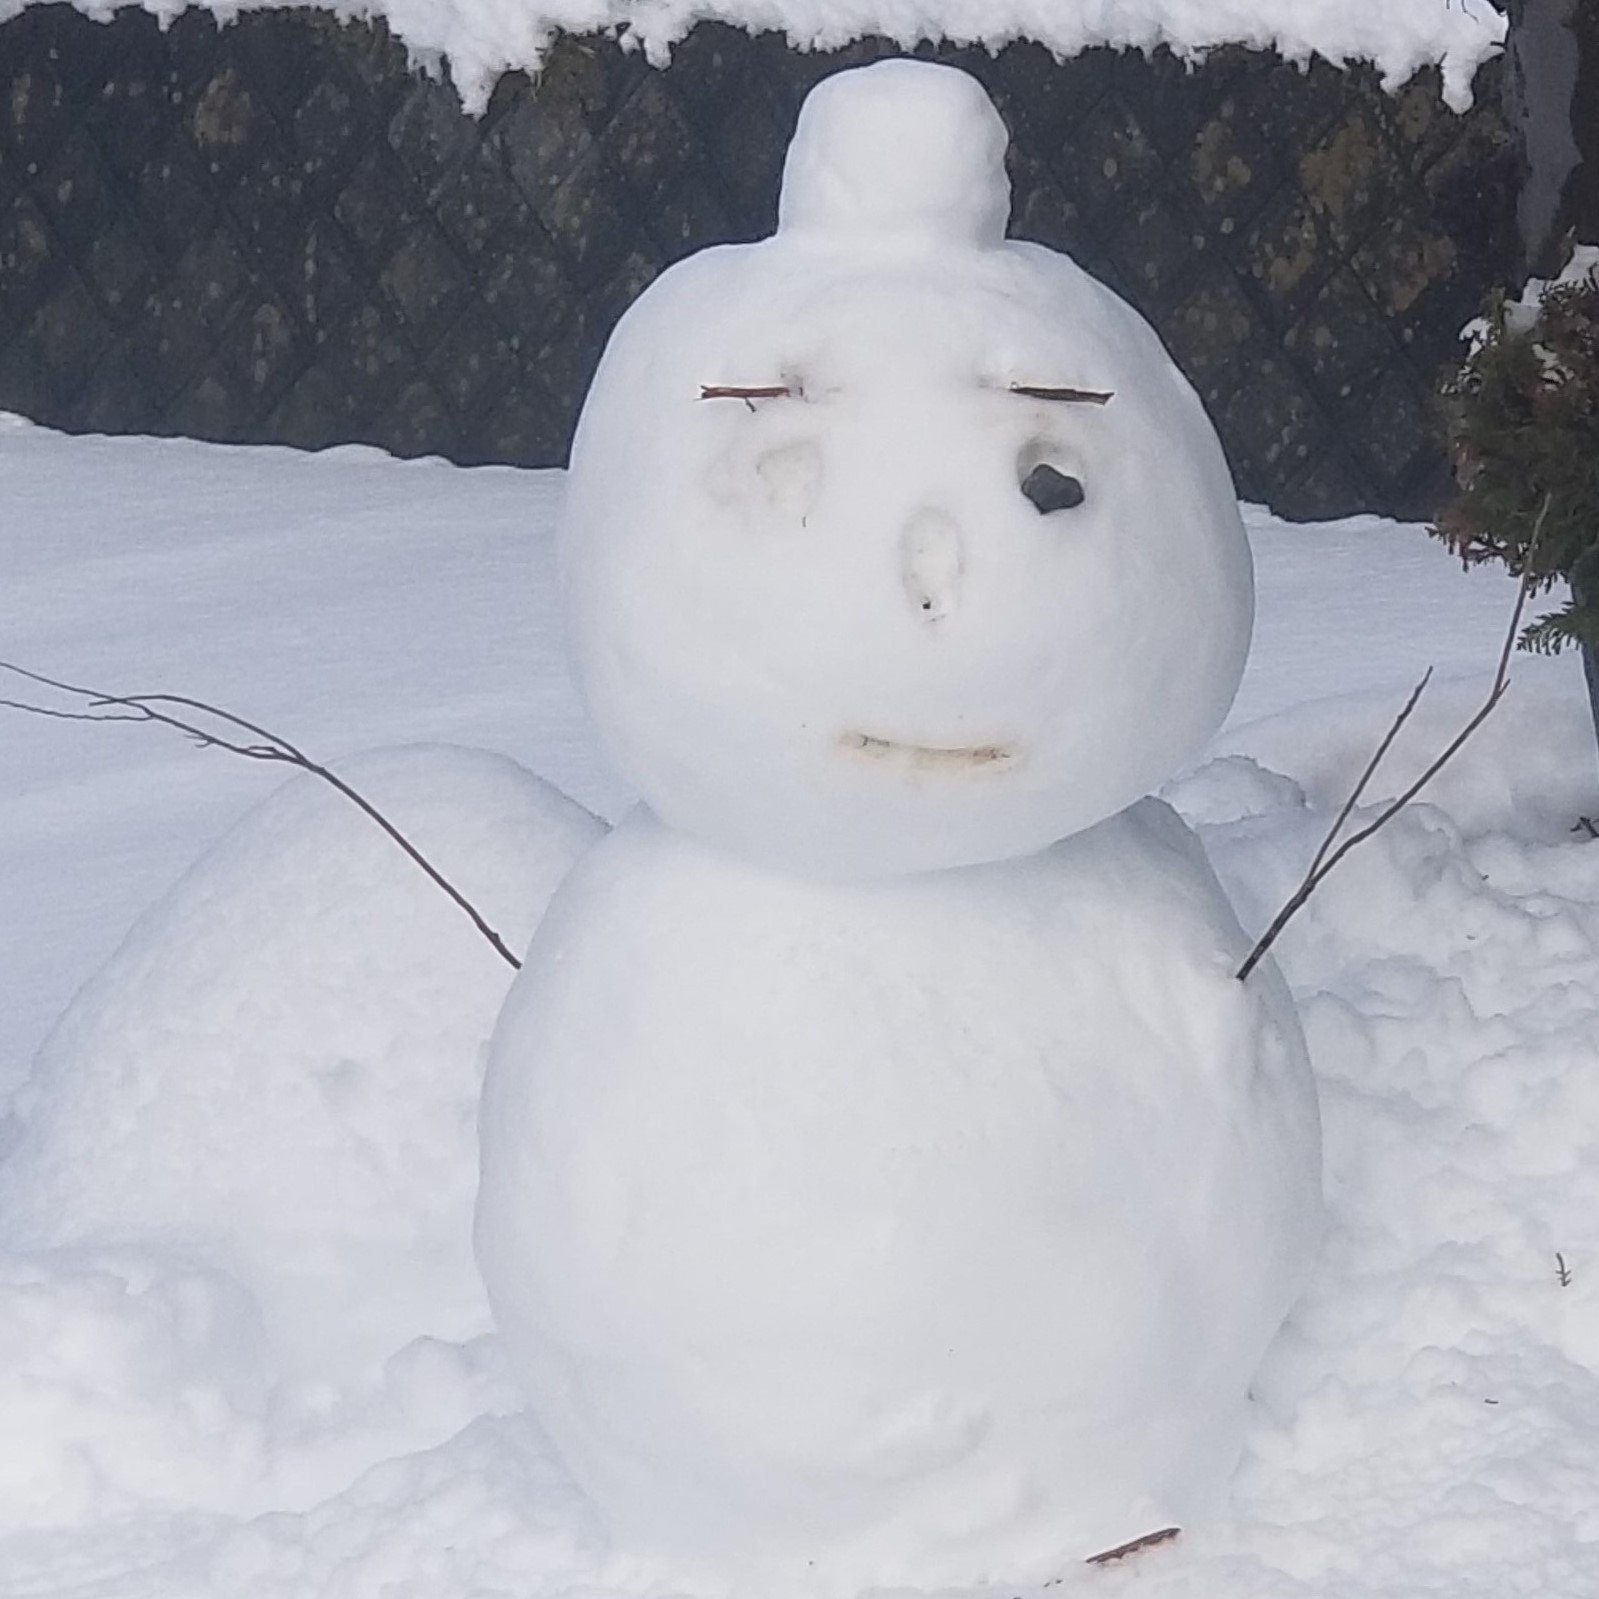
(885,1178)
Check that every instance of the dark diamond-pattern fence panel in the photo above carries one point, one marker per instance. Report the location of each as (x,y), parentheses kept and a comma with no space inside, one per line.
(275,231)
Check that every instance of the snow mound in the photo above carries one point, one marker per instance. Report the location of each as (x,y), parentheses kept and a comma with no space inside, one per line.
(112,1364)
(138,1389)
(277,1073)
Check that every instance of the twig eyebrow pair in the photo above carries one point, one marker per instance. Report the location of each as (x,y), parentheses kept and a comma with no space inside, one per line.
(781,391)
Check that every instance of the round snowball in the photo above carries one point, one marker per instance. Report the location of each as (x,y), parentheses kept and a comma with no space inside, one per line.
(851,171)
(889,547)
(911,1234)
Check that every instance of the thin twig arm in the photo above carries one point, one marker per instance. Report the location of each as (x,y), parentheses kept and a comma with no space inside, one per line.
(104,707)
(1327,856)
(1371,770)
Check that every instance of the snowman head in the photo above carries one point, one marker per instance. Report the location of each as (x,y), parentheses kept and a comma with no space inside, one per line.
(890,544)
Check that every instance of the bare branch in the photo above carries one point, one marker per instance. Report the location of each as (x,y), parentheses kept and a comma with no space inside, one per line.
(1371,769)
(1327,857)
(104,707)
(68,716)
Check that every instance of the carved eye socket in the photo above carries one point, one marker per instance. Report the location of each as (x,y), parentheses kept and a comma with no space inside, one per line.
(1050,490)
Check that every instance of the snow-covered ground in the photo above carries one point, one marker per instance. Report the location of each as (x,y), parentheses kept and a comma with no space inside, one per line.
(1428,1423)
(477,40)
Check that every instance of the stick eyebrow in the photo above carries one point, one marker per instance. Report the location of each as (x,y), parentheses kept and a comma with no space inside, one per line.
(1034,391)
(733,391)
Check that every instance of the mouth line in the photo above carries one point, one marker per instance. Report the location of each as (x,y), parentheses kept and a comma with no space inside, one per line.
(928,757)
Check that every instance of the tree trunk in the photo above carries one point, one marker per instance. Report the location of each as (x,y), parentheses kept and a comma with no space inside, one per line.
(1590,659)
(1552,104)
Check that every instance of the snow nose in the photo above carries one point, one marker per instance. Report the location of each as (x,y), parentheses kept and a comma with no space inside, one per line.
(930,559)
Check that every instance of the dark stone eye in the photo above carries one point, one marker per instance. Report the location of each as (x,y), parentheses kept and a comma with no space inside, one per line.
(1050,490)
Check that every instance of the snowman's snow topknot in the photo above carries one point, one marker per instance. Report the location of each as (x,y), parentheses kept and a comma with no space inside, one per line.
(898,149)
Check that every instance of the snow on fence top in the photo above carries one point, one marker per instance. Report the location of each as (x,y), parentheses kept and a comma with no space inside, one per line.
(477,40)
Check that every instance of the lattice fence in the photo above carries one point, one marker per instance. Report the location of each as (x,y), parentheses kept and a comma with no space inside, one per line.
(275,231)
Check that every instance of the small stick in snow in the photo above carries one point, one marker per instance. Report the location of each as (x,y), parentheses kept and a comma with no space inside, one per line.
(1562,1270)
(99,707)
(1327,857)
(1107,1556)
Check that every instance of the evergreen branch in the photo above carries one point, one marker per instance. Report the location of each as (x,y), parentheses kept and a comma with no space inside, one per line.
(1573,623)
(102,707)
(1549,635)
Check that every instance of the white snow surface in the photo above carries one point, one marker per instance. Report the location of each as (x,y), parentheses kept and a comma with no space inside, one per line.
(829,627)
(1427,1424)
(478,40)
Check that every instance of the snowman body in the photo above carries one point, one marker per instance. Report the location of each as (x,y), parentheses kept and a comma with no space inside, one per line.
(915,1231)
(884,1177)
